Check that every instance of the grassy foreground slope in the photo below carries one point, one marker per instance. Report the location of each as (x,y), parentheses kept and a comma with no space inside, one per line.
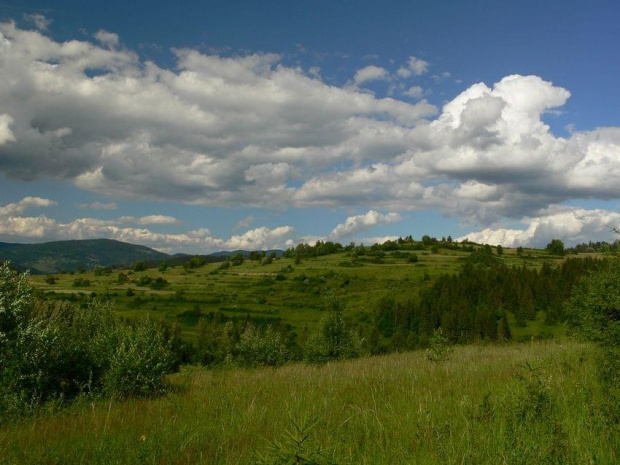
(513,403)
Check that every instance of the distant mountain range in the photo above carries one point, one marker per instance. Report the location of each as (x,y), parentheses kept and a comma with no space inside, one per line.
(52,257)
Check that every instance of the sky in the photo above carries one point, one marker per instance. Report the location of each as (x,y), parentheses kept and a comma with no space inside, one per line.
(199,126)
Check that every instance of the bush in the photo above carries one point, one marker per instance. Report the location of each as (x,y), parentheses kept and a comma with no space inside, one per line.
(81,282)
(261,349)
(139,361)
(333,340)
(440,348)
(158,283)
(139,266)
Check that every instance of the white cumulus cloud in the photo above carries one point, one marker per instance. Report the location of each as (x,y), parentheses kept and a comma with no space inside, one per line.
(358,223)
(370,73)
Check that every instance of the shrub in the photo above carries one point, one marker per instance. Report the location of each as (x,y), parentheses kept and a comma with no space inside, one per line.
(439,349)
(333,340)
(81,282)
(261,349)
(139,266)
(158,283)
(139,361)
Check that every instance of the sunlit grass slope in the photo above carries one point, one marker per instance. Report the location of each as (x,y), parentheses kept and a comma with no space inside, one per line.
(519,403)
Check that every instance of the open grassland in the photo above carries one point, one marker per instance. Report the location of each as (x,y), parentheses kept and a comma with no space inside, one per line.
(280,292)
(514,403)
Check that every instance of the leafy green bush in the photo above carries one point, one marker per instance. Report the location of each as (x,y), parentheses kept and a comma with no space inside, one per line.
(440,348)
(256,348)
(139,361)
(333,340)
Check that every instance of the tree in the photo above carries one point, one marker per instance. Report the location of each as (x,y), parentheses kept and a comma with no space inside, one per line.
(256,348)
(332,340)
(555,247)
(594,312)
(237,260)
(139,266)
(500,250)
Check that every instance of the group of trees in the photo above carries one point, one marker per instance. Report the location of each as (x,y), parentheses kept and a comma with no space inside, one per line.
(260,342)
(474,304)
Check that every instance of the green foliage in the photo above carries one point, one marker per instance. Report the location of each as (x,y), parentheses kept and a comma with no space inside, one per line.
(594,308)
(196,261)
(594,313)
(439,349)
(333,339)
(139,360)
(237,259)
(295,448)
(139,266)
(158,283)
(261,348)
(555,247)
(102,270)
(15,304)
(54,351)
(81,282)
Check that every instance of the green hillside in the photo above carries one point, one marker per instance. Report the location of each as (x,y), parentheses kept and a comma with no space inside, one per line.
(291,293)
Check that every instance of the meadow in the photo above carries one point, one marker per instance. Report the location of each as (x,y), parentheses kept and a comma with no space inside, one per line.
(538,402)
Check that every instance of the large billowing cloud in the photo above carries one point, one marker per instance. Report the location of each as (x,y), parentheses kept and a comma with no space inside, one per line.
(214,131)
(251,131)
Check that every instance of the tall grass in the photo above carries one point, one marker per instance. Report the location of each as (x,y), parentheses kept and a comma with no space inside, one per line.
(521,403)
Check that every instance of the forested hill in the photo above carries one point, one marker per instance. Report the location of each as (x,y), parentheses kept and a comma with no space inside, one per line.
(52,257)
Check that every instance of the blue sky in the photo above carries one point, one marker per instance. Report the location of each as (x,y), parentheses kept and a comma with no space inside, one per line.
(220,125)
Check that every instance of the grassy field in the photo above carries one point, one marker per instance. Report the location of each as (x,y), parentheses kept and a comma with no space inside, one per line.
(281,291)
(514,403)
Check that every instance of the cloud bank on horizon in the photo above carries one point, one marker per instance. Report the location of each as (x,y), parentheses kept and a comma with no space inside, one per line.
(250,131)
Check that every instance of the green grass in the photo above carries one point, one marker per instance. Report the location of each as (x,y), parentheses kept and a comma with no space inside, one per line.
(515,403)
